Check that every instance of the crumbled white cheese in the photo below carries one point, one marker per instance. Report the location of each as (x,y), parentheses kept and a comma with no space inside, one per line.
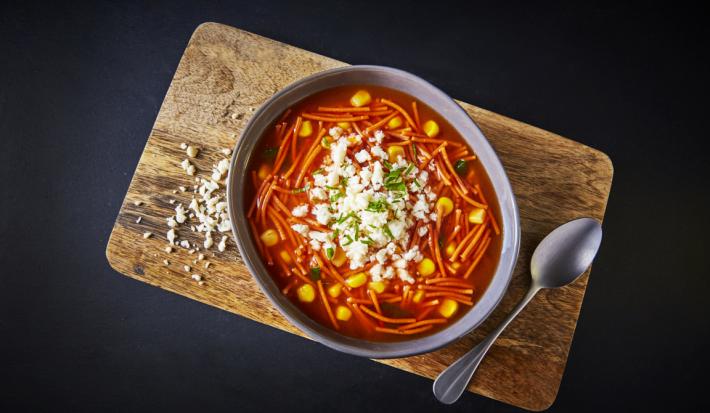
(300,211)
(335,131)
(147,235)
(180,216)
(403,275)
(222,244)
(226,151)
(377,175)
(318,194)
(322,213)
(208,240)
(185,244)
(376,272)
(379,136)
(171,235)
(379,152)
(357,253)
(191,151)
(301,229)
(362,156)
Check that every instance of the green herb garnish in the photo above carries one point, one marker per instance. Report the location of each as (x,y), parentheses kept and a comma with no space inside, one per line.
(350,240)
(325,142)
(377,206)
(318,171)
(461,167)
(315,273)
(329,252)
(299,190)
(269,153)
(337,196)
(346,217)
(387,231)
(367,241)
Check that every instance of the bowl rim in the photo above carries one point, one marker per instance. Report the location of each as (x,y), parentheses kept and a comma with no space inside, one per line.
(510,223)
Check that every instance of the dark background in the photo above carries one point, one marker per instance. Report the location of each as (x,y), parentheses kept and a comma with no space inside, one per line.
(80,87)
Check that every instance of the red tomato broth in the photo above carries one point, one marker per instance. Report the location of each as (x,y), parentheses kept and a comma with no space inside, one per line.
(267,154)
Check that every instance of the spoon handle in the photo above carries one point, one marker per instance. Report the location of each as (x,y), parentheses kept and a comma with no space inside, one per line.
(452,382)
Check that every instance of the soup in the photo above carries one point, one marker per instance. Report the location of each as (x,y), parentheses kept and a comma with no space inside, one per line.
(372,215)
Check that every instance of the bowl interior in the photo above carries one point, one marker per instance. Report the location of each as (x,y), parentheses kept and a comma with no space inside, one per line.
(459,119)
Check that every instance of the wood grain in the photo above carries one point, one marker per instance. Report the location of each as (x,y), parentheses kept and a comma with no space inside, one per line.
(223,75)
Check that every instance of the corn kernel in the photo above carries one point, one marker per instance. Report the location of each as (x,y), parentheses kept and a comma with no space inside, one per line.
(445,204)
(477,215)
(306,293)
(456,266)
(339,257)
(264,171)
(395,122)
(450,249)
(343,313)
(377,286)
(285,256)
(448,307)
(360,98)
(431,128)
(356,280)
(395,152)
(306,129)
(269,237)
(344,125)
(418,297)
(426,267)
(335,290)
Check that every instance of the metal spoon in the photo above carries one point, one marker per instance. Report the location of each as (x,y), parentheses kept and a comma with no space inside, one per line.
(558,260)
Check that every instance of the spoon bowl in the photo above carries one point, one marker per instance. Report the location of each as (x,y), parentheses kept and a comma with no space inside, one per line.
(565,253)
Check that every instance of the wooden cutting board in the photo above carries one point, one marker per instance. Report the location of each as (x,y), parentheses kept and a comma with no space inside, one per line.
(224,74)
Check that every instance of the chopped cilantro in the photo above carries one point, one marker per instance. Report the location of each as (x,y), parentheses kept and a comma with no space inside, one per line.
(387,231)
(319,171)
(377,206)
(329,252)
(299,190)
(269,153)
(461,167)
(350,241)
(315,273)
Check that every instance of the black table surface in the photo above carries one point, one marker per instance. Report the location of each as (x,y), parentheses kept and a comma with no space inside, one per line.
(80,87)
